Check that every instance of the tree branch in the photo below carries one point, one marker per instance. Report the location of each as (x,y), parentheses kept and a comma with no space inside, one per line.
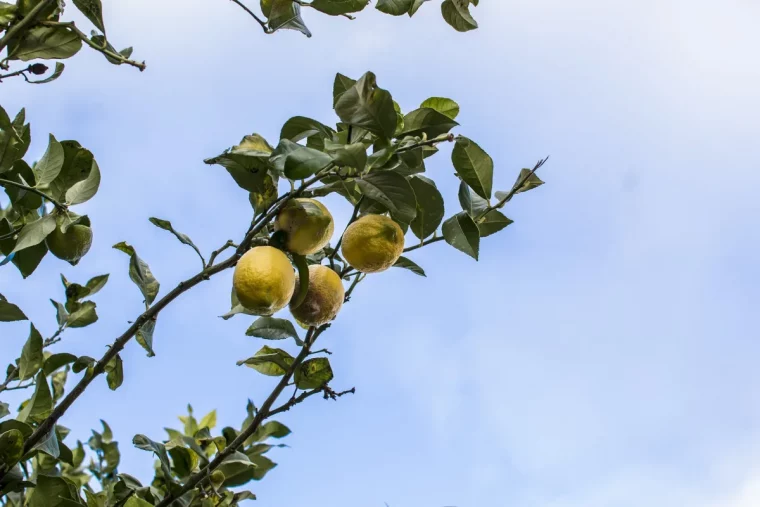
(424,243)
(261,415)
(152,312)
(215,253)
(24,23)
(254,16)
(21,72)
(4,182)
(101,49)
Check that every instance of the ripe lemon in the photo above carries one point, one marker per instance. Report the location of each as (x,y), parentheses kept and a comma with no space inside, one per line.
(71,245)
(373,243)
(307,223)
(264,280)
(323,299)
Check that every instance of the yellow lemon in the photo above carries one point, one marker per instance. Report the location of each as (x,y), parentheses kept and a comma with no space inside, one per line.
(71,245)
(324,297)
(264,280)
(373,243)
(307,223)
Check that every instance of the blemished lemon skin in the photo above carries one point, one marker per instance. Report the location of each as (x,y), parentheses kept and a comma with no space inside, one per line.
(264,280)
(308,225)
(324,298)
(71,245)
(373,243)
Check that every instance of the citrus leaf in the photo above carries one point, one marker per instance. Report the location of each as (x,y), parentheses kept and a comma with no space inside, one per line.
(40,405)
(56,361)
(31,358)
(461,232)
(183,238)
(144,336)
(35,233)
(405,263)
(96,283)
(115,373)
(367,106)
(426,121)
(474,166)
(270,328)
(430,207)
(49,166)
(415,7)
(446,107)
(471,202)
(144,443)
(492,222)
(341,85)
(313,373)
(86,189)
(457,14)
(83,316)
(338,7)
(269,361)
(47,43)
(296,161)
(394,7)
(93,10)
(139,273)
(392,191)
(10,312)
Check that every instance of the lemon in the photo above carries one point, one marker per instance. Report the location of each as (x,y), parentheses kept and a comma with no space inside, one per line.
(308,225)
(373,243)
(264,280)
(324,297)
(71,245)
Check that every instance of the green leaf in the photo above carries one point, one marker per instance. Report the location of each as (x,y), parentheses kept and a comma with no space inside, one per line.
(40,405)
(457,14)
(271,429)
(144,336)
(461,232)
(35,233)
(57,361)
(13,424)
(405,263)
(11,447)
(426,121)
(53,492)
(208,421)
(59,68)
(184,460)
(341,85)
(301,127)
(339,7)
(47,43)
(474,166)
(140,274)
(22,200)
(183,238)
(96,283)
(415,7)
(394,7)
(82,363)
(367,106)
(263,465)
(61,315)
(270,328)
(446,107)
(84,315)
(27,260)
(234,465)
(4,409)
(77,165)
(51,163)
(146,444)
(7,13)
(269,361)
(525,181)
(86,189)
(298,162)
(49,444)
(313,373)
(246,162)
(351,155)
(263,198)
(10,312)
(392,191)
(136,501)
(430,208)
(284,14)
(492,222)
(31,355)
(114,373)
(93,10)
(471,202)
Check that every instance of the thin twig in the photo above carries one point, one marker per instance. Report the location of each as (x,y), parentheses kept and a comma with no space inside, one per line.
(215,253)
(254,16)
(325,351)
(340,241)
(10,234)
(261,415)
(21,72)
(424,243)
(107,52)
(4,182)
(28,20)
(152,312)
(350,290)
(514,190)
(430,142)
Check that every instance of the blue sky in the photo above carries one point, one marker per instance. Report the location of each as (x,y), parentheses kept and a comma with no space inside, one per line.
(600,354)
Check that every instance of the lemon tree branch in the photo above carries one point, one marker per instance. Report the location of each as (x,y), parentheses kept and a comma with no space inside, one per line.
(9,183)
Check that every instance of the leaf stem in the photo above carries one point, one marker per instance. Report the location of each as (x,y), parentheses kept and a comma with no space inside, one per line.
(424,243)
(107,52)
(215,253)
(21,72)
(25,22)
(4,182)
